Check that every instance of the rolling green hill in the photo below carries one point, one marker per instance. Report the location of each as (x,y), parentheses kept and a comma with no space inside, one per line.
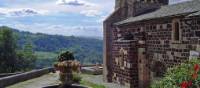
(47,47)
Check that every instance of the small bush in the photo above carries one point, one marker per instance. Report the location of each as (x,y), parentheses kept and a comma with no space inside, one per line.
(186,75)
(66,56)
(76,78)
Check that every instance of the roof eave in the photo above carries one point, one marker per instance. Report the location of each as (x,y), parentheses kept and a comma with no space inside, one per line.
(171,16)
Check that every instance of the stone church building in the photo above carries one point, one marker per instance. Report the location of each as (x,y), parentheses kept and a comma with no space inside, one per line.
(142,38)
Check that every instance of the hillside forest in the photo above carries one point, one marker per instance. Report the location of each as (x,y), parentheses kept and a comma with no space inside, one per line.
(22,51)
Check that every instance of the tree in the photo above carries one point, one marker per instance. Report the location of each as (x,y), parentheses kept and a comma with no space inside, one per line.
(26,56)
(7,50)
(29,54)
(11,59)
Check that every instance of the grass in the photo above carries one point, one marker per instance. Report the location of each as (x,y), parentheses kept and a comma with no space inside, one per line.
(45,55)
(88,83)
(45,59)
(92,85)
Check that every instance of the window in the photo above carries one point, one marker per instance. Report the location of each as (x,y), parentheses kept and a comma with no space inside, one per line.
(176,36)
(176,31)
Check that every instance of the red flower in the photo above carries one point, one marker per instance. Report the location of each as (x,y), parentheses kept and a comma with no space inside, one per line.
(196,68)
(190,83)
(184,84)
(194,76)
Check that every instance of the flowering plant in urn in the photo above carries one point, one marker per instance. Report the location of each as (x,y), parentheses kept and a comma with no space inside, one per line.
(66,66)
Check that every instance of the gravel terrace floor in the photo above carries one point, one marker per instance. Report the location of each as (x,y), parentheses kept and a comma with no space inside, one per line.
(98,79)
(45,80)
(52,79)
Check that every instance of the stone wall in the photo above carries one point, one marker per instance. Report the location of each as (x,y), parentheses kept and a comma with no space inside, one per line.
(129,63)
(10,80)
(144,7)
(125,63)
(107,38)
(133,8)
(161,49)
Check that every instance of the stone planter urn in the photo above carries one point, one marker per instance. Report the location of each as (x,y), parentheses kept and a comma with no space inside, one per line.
(66,70)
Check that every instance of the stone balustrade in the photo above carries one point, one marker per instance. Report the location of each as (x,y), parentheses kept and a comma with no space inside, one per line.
(10,80)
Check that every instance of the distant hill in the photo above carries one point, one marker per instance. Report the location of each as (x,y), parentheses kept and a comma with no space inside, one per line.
(86,50)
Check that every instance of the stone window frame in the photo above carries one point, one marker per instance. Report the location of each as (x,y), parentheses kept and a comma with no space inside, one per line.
(122,58)
(174,21)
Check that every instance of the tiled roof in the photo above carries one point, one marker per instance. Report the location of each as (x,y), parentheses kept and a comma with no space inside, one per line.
(195,14)
(168,10)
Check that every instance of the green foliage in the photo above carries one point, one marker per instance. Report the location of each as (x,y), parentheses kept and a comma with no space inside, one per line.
(8,57)
(67,55)
(92,85)
(86,50)
(45,59)
(76,78)
(11,59)
(179,74)
(28,55)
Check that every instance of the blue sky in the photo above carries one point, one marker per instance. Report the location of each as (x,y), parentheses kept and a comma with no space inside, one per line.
(63,17)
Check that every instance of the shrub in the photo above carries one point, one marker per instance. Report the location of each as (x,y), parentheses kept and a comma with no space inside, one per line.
(76,78)
(186,75)
(66,56)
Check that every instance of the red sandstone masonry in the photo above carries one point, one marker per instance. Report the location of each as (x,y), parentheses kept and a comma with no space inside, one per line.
(159,46)
(160,50)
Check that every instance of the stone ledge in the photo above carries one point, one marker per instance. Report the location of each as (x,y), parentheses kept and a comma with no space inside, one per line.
(10,80)
(9,74)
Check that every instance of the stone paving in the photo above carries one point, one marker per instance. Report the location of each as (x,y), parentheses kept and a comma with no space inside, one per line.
(46,80)
(52,79)
(98,79)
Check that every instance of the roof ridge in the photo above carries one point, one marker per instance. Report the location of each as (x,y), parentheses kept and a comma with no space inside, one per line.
(184,8)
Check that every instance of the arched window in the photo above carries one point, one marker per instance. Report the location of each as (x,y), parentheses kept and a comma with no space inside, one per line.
(176,31)
(176,36)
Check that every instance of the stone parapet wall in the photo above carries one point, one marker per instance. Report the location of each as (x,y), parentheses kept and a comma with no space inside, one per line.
(9,74)
(10,80)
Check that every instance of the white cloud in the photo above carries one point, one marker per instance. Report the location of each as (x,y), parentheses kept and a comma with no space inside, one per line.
(70,2)
(75,3)
(86,7)
(21,12)
(91,13)
(94,8)
(80,6)
(87,31)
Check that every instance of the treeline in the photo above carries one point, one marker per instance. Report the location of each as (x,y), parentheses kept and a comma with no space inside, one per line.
(12,58)
(41,50)
(86,50)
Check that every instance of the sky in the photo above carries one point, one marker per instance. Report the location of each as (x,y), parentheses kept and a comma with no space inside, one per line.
(61,17)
